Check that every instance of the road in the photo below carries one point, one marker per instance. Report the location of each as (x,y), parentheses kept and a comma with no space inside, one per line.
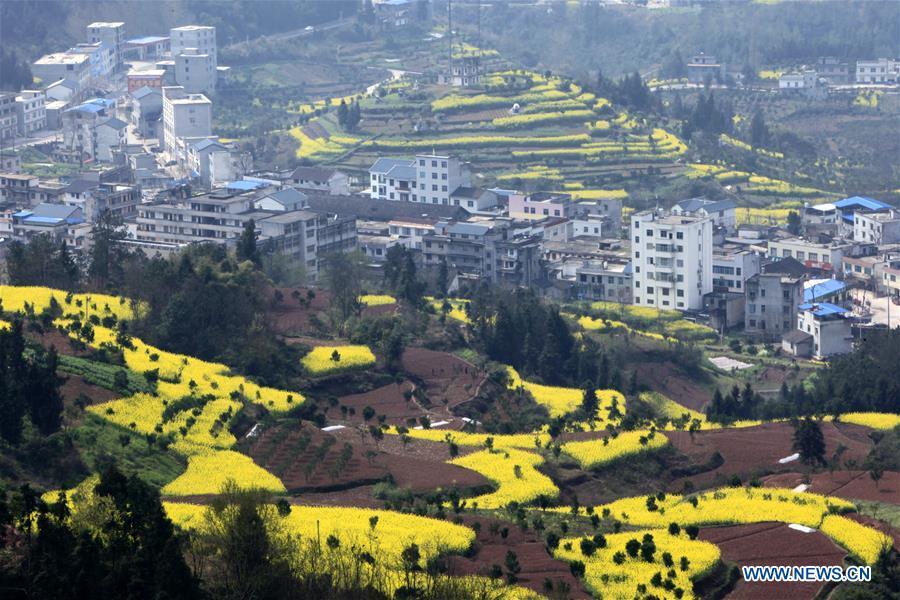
(880,310)
(294,33)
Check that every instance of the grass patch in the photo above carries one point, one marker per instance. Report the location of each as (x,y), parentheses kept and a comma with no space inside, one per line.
(101,443)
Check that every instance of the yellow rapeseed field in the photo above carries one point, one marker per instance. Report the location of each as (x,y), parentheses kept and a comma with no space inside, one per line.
(514,473)
(882,421)
(392,532)
(605,577)
(863,542)
(322,359)
(376,300)
(591,454)
(206,473)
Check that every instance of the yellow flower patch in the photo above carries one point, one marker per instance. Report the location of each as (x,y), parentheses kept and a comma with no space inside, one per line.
(523,484)
(604,577)
(591,454)
(207,473)
(329,359)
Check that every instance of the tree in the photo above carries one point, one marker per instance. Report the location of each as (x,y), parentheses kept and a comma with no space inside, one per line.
(674,66)
(589,402)
(442,281)
(759,132)
(343,278)
(246,248)
(809,441)
(794,223)
(343,114)
(106,252)
(876,472)
(245,544)
(512,567)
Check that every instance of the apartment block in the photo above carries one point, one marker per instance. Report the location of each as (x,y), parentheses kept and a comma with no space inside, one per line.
(877,227)
(879,70)
(672,260)
(51,68)
(9,122)
(113,35)
(772,299)
(823,256)
(428,179)
(732,267)
(187,118)
(198,37)
(31,111)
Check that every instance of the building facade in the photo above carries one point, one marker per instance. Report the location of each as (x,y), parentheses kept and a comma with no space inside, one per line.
(113,35)
(31,112)
(672,260)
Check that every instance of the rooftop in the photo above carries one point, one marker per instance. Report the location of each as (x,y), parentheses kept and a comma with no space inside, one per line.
(313,173)
(107,24)
(694,204)
(818,288)
(823,309)
(62,58)
(147,39)
(862,202)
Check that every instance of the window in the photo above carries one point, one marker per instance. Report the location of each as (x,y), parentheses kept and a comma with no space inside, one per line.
(649,233)
(679,235)
(752,322)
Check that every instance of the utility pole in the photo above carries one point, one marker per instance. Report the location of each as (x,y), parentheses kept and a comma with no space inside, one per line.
(450,41)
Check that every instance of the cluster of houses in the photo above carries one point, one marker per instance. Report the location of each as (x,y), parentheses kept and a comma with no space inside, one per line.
(828,71)
(797,288)
(143,103)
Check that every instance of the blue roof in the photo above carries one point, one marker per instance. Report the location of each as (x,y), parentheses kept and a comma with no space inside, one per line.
(862,202)
(244,186)
(823,309)
(147,39)
(822,290)
(95,105)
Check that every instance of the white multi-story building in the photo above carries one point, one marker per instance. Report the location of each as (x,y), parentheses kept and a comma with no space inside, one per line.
(186,118)
(877,227)
(438,177)
(101,58)
(430,179)
(195,71)
(798,80)
(814,255)
(732,267)
(31,111)
(63,65)
(672,260)
(8,118)
(880,70)
(113,35)
(200,37)
(829,327)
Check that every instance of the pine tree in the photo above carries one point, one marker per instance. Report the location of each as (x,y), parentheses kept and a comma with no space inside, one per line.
(343,114)
(246,246)
(809,441)
(759,132)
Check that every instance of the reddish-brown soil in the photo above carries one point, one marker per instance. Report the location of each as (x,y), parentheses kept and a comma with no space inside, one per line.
(75,386)
(387,400)
(54,338)
(667,379)
(291,317)
(754,451)
(853,485)
(449,380)
(773,544)
(297,457)
(537,565)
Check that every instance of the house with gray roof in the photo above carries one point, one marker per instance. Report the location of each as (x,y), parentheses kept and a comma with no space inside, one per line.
(722,212)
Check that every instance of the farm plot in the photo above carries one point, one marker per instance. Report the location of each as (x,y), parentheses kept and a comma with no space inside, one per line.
(770,442)
(448,379)
(773,544)
(852,485)
(537,565)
